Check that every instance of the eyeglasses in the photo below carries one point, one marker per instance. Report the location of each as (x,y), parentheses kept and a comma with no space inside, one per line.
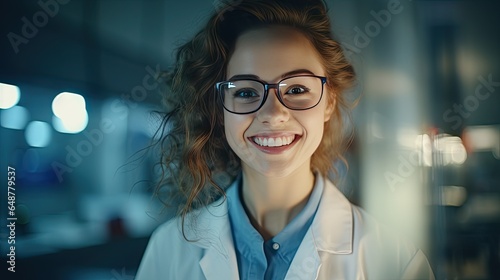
(247,96)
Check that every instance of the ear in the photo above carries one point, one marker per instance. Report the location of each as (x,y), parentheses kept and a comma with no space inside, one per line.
(330,106)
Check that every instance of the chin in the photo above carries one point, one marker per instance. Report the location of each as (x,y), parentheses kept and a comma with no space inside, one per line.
(273,171)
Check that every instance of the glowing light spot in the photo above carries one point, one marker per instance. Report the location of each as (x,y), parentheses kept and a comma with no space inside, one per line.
(458,153)
(38,134)
(451,149)
(73,125)
(9,96)
(483,137)
(424,146)
(70,113)
(453,195)
(14,118)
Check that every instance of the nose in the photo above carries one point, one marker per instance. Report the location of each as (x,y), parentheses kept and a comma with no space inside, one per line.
(273,112)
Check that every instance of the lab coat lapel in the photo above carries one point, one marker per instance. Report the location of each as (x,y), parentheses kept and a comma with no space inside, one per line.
(219,258)
(331,232)
(216,266)
(306,263)
(333,225)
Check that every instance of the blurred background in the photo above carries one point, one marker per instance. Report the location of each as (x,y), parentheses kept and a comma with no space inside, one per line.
(77,88)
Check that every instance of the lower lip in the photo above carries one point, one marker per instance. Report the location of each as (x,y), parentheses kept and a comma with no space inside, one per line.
(275,150)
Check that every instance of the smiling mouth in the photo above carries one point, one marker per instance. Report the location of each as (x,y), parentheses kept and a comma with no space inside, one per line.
(273,141)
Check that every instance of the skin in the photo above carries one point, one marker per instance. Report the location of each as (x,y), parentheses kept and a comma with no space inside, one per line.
(276,186)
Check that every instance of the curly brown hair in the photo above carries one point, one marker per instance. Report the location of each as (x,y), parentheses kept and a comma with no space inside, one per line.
(194,150)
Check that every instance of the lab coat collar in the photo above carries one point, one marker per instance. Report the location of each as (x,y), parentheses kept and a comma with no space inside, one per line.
(331,231)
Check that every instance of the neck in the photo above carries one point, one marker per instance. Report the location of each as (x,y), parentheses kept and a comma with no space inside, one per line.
(272,202)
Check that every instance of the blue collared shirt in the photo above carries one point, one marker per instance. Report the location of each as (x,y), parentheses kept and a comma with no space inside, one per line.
(259,259)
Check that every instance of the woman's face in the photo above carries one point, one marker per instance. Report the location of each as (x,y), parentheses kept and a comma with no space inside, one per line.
(275,141)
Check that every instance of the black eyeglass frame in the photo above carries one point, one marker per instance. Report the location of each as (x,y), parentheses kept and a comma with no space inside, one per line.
(266,92)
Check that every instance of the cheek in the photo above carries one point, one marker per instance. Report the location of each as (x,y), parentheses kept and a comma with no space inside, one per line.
(235,127)
(314,123)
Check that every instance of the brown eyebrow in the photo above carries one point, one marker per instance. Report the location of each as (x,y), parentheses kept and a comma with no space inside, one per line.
(287,74)
(297,72)
(245,76)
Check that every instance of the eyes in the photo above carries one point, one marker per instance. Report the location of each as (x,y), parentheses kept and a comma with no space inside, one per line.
(246,96)
(255,93)
(246,93)
(297,90)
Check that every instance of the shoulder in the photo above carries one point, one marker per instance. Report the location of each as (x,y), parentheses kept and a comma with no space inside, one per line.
(171,252)
(168,234)
(395,253)
(373,247)
(357,224)
(167,253)
(197,226)
(369,229)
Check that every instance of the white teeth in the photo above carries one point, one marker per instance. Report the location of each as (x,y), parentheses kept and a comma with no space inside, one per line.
(270,142)
(278,142)
(274,142)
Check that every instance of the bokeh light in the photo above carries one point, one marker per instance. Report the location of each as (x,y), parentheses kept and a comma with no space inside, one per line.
(14,118)
(38,134)
(70,113)
(9,96)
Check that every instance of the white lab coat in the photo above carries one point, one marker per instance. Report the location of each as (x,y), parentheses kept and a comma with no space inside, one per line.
(343,242)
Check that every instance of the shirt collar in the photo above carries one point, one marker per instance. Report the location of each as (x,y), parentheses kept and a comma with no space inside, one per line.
(246,235)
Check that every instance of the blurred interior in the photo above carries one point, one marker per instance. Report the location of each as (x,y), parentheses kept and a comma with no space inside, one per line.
(77,90)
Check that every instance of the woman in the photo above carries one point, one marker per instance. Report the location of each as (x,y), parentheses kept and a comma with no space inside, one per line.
(257,95)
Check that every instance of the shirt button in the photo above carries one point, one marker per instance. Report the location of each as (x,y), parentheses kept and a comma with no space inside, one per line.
(276,246)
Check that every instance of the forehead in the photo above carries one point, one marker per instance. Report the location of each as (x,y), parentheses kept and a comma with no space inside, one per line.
(272,51)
